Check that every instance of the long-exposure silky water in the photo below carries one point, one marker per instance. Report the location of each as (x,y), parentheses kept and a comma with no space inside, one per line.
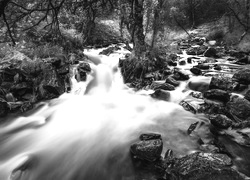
(88,135)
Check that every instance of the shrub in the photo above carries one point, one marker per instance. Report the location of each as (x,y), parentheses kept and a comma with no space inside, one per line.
(216,34)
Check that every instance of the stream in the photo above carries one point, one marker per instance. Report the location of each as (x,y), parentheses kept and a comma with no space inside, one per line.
(87,133)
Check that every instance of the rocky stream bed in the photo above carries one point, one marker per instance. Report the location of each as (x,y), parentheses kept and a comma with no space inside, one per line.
(214,81)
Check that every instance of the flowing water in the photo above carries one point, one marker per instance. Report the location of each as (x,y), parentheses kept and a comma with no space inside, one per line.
(86,134)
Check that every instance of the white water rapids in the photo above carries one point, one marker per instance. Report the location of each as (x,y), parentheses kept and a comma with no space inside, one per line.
(88,135)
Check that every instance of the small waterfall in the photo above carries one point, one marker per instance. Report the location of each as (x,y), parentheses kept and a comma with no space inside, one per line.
(86,134)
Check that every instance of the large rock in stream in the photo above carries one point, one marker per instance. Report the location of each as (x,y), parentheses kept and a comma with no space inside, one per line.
(242,76)
(224,83)
(149,147)
(239,108)
(217,94)
(204,166)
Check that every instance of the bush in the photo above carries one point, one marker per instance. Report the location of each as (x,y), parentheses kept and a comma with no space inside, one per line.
(216,34)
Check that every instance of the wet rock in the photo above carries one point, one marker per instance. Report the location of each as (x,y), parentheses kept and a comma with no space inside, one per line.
(147,149)
(172,81)
(52,83)
(205,166)
(224,83)
(188,106)
(247,95)
(210,52)
(172,63)
(242,76)
(149,136)
(214,107)
(242,125)
(153,75)
(197,95)
(167,72)
(242,87)
(9,97)
(220,121)
(85,67)
(192,127)
(182,62)
(244,60)
(180,75)
(164,86)
(200,84)
(196,71)
(189,60)
(196,50)
(237,54)
(239,108)
(121,61)
(202,66)
(110,50)
(161,95)
(4,108)
(217,94)
(217,67)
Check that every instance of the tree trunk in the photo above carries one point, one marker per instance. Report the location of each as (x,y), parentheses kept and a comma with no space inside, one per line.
(138,36)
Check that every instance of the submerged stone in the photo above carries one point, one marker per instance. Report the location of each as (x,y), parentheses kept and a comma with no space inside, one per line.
(161,95)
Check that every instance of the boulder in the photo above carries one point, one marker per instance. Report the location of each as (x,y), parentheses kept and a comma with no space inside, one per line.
(244,60)
(210,52)
(239,108)
(149,148)
(164,86)
(172,81)
(217,67)
(242,76)
(205,166)
(202,66)
(217,94)
(189,60)
(172,63)
(223,83)
(196,50)
(214,107)
(190,106)
(182,62)
(180,75)
(51,83)
(200,84)
(196,71)
(221,121)
(197,95)
(161,95)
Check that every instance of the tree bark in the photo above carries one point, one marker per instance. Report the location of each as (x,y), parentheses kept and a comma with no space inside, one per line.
(138,36)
